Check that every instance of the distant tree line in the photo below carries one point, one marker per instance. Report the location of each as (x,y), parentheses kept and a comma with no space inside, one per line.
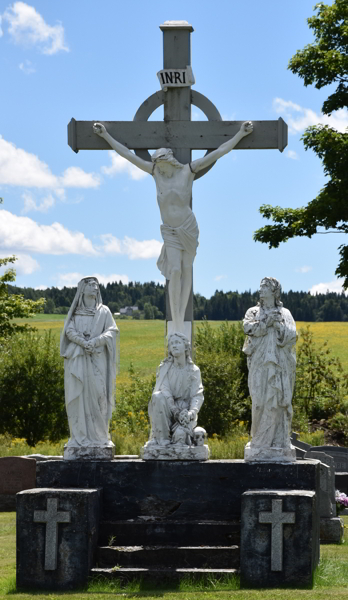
(231,306)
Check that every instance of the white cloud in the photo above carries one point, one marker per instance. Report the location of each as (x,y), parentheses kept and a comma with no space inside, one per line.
(28,28)
(331,286)
(76,177)
(121,165)
(292,154)
(31,204)
(134,249)
(299,118)
(21,168)
(72,279)
(24,265)
(22,233)
(27,67)
(304,269)
(219,277)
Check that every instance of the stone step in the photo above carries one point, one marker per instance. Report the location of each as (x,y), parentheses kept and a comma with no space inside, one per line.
(160,575)
(177,557)
(139,532)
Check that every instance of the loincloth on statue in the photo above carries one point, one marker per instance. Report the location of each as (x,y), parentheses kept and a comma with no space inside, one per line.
(184,238)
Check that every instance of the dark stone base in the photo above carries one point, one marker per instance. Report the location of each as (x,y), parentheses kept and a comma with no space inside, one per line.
(65,564)
(274,555)
(210,490)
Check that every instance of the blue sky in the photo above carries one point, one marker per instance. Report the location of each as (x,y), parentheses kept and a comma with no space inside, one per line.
(67,215)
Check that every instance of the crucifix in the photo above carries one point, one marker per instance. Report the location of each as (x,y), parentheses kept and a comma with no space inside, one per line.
(171,165)
(277,518)
(52,516)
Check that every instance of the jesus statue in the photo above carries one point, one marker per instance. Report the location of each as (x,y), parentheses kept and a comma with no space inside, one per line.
(179,229)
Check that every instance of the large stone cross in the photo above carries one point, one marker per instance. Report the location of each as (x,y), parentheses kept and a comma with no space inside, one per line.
(277,518)
(51,517)
(177,131)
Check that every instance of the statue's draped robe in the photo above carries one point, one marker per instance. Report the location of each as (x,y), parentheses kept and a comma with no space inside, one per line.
(89,378)
(176,389)
(271,380)
(184,237)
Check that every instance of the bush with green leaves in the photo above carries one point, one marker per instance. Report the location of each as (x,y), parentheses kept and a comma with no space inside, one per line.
(32,402)
(225,377)
(321,385)
(14,306)
(133,398)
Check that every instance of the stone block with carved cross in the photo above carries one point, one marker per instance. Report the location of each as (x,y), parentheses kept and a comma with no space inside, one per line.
(279,538)
(57,532)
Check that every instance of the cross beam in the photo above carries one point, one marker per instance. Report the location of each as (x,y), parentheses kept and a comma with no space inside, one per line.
(192,135)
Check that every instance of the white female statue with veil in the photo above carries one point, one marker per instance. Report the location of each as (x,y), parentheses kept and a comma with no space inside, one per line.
(90,351)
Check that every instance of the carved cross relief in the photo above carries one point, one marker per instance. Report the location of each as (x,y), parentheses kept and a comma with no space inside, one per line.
(277,518)
(51,517)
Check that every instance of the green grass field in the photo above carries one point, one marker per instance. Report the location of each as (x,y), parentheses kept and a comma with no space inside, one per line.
(144,343)
(331,580)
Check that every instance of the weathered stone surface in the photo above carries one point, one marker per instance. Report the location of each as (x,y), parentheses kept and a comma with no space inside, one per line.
(331,530)
(339,454)
(177,490)
(204,557)
(16,474)
(268,455)
(57,531)
(279,538)
(88,453)
(326,507)
(300,447)
(175,452)
(156,531)
(43,457)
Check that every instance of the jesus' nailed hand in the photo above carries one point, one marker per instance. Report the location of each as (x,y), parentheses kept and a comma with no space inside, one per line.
(179,230)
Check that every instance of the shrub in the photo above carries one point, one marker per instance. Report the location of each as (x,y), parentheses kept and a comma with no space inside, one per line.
(130,414)
(224,373)
(321,383)
(32,388)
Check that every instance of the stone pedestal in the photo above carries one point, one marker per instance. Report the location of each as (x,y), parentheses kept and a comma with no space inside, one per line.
(175,489)
(174,452)
(279,538)
(57,533)
(89,453)
(265,454)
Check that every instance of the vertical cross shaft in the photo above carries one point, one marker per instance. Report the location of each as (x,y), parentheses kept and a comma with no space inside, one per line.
(177,101)
(51,517)
(277,519)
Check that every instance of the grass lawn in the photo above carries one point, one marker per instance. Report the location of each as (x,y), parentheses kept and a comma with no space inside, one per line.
(144,343)
(331,579)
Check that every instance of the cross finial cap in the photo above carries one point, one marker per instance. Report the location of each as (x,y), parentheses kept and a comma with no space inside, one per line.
(176,25)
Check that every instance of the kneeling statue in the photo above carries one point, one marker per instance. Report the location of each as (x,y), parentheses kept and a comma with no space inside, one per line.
(174,407)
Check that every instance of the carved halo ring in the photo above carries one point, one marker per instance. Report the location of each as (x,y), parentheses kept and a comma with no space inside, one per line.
(153,102)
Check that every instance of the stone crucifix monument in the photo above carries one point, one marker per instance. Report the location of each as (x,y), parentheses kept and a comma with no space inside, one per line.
(171,165)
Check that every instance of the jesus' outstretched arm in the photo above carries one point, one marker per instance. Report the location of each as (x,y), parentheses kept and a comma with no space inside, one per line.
(206,161)
(144,165)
